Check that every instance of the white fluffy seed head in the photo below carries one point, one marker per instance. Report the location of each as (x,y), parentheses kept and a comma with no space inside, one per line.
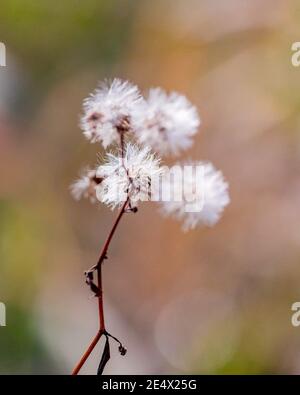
(166,122)
(128,177)
(85,186)
(108,111)
(202,205)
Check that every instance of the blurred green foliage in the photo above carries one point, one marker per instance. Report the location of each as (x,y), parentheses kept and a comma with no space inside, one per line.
(22,350)
(69,32)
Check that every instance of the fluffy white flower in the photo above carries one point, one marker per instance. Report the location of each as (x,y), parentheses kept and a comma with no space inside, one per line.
(203,194)
(107,112)
(85,186)
(128,177)
(167,122)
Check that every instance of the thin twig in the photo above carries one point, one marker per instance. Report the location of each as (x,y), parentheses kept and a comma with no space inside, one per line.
(103,256)
(87,353)
(98,267)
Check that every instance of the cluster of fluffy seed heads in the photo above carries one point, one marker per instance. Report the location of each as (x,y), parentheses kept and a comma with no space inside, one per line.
(127,177)
(85,186)
(165,123)
(198,206)
(108,111)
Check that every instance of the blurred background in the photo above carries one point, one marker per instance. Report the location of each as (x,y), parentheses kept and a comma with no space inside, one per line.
(208,301)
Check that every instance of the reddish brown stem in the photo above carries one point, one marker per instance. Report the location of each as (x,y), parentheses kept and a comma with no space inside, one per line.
(103,255)
(100,299)
(98,267)
(122,145)
(87,353)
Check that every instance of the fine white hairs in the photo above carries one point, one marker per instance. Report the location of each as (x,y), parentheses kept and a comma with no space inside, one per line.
(142,129)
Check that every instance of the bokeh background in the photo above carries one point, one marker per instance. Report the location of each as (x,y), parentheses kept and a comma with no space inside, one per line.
(209,301)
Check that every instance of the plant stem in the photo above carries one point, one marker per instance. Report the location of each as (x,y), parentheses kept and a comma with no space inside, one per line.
(122,145)
(98,267)
(103,256)
(87,353)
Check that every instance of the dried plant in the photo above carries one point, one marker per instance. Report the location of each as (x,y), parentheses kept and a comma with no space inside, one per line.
(195,193)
